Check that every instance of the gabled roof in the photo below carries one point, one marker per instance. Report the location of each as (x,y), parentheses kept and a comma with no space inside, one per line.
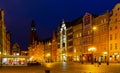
(77,21)
(47,40)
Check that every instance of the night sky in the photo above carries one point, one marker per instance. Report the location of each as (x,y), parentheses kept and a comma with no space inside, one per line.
(47,15)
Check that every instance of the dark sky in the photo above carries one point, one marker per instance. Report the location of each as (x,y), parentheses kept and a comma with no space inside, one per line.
(47,14)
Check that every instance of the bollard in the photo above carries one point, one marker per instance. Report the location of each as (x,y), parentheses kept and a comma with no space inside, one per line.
(47,71)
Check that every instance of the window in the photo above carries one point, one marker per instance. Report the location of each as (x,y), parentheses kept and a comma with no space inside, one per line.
(116,20)
(110,36)
(70,43)
(115,14)
(115,45)
(110,28)
(104,48)
(63,44)
(104,20)
(115,36)
(80,34)
(104,28)
(88,32)
(77,36)
(110,46)
(101,21)
(115,27)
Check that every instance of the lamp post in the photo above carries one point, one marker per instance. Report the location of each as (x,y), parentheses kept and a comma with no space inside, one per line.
(92,48)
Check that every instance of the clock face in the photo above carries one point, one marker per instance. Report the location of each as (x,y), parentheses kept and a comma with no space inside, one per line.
(33,28)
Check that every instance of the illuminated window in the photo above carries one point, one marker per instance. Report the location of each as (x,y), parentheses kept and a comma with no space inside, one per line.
(77,35)
(104,20)
(101,21)
(80,34)
(88,32)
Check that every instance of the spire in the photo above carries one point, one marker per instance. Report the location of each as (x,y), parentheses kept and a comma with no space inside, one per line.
(63,22)
(33,23)
(2,14)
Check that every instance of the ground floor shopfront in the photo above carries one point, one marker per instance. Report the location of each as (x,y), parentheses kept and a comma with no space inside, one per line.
(114,57)
(13,60)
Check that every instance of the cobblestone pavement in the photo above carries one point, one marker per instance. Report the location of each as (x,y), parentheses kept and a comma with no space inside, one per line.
(64,68)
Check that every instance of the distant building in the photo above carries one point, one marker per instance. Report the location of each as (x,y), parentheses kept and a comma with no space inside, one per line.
(36,52)
(62,42)
(36,46)
(58,43)
(3,38)
(16,49)
(90,38)
(77,39)
(33,33)
(48,50)
(8,42)
(100,28)
(69,39)
(24,53)
(54,47)
(114,34)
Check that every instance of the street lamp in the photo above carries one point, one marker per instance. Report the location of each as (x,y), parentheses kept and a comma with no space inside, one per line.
(92,49)
(94,28)
(48,55)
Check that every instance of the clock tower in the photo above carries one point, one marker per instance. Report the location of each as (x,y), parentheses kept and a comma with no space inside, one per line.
(33,33)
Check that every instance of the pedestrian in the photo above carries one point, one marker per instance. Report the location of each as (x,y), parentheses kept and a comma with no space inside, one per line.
(95,59)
